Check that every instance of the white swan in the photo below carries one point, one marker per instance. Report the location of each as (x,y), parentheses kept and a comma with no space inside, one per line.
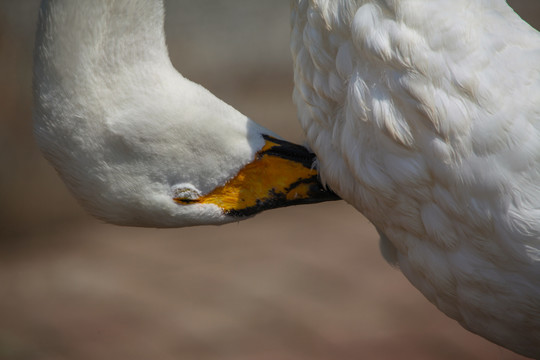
(423,115)
(137,143)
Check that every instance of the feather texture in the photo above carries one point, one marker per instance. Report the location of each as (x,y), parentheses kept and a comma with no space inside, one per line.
(425,116)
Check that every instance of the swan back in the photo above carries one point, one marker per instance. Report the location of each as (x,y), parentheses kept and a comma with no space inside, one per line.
(425,116)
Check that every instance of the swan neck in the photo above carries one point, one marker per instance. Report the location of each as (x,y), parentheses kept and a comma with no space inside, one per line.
(99,36)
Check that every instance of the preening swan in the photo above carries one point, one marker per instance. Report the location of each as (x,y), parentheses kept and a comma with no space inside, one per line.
(423,115)
(137,143)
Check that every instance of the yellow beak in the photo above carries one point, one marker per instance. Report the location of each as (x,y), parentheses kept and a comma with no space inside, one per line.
(281,174)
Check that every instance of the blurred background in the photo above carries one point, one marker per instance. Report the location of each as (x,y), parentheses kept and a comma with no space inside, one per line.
(299,283)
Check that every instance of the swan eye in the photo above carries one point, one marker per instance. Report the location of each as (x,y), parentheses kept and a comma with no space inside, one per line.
(185,193)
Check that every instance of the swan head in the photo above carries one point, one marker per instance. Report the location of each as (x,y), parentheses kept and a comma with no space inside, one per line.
(150,177)
(176,156)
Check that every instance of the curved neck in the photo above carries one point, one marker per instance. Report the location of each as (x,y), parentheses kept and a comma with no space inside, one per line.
(81,39)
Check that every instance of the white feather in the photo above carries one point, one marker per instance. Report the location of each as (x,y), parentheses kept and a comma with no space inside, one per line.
(434,134)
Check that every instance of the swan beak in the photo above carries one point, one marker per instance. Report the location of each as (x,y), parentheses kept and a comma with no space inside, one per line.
(282,174)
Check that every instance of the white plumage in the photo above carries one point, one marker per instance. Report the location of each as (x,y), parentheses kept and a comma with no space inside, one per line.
(423,114)
(132,138)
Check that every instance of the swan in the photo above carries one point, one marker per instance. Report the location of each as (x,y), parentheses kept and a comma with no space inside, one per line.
(423,115)
(136,142)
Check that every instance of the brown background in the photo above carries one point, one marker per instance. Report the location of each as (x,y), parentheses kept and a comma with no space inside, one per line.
(297,283)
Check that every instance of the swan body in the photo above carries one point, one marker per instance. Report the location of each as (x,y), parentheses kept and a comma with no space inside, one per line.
(425,115)
(135,141)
